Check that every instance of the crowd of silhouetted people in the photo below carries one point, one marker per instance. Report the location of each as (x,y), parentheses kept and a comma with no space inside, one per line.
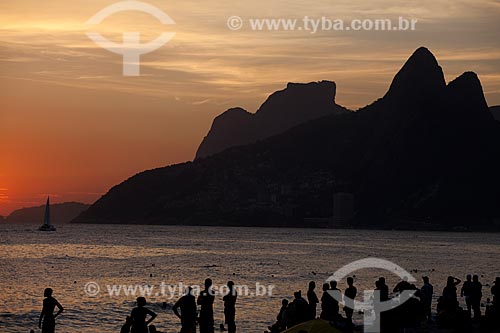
(407,314)
(186,309)
(451,315)
(410,313)
(301,310)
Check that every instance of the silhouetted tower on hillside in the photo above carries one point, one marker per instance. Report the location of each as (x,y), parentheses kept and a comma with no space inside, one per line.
(343,208)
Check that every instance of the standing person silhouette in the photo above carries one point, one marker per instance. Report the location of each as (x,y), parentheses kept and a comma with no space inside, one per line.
(449,296)
(313,300)
(495,291)
(384,289)
(426,293)
(466,292)
(230,307)
(350,292)
(299,308)
(47,315)
(335,302)
(187,305)
(326,303)
(476,295)
(138,317)
(206,301)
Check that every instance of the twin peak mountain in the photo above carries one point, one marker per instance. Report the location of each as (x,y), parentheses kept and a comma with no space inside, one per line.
(426,151)
(421,79)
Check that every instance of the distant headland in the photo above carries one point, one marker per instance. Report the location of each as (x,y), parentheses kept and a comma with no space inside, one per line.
(61,213)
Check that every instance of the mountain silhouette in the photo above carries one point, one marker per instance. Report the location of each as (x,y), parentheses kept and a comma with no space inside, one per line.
(420,78)
(426,152)
(495,111)
(283,110)
(60,213)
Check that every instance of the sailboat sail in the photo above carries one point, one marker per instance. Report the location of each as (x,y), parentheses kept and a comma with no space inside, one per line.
(46,219)
(46,226)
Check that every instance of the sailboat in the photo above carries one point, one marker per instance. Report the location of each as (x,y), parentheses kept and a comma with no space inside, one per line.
(46,226)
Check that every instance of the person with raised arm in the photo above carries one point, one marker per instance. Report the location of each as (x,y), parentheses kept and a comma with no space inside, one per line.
(449,296)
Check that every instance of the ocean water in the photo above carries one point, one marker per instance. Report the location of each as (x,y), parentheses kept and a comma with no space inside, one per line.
(286,259)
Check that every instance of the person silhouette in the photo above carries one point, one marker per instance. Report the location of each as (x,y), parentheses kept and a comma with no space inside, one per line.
(401,286)
(206,302)
(378,287)
(281,319)
(126,327)
(449,297)
(138,317)
(350,292)
(188,314)
(333,284)
(426,293)
(384,289)
(298,309)
(47,315)
(466,292)
(152,329)
(335,302)
(495,291)
(230,307)
(313,300)
(326,303)
(476,295)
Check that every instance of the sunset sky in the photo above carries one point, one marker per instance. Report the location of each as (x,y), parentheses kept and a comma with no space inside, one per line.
(71,126)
